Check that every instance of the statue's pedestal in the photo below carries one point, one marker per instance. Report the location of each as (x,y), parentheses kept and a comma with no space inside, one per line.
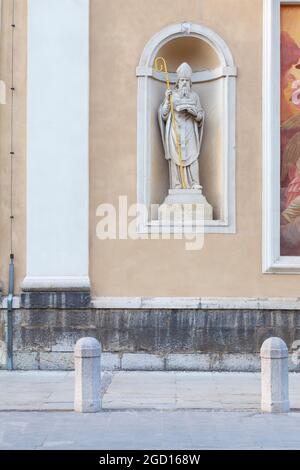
(190,202)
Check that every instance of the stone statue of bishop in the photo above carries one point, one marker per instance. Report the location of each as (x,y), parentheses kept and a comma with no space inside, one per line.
(187,131)
(189,117)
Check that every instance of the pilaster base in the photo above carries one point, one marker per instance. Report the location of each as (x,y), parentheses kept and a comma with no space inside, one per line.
(56,292)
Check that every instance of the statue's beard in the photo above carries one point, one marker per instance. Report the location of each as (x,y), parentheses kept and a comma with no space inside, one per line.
(184,92)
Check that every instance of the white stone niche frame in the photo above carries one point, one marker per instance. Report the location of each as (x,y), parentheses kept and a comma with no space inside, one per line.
(272,262)
(228,71)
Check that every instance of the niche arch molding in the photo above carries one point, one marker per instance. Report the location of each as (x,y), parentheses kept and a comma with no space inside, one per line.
(225,73)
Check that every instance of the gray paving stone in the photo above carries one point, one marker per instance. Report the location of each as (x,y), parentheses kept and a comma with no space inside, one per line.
(144,389)
(26,361)
(142,362)
(110,361)
(149,430)
(56,361)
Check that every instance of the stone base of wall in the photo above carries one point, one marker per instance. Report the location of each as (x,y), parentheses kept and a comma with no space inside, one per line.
(146,362)
(150,339)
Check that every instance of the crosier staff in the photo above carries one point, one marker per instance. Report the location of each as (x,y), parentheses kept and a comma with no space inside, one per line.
(160,65)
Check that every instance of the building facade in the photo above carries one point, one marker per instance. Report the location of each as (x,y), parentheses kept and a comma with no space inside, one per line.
(82,164)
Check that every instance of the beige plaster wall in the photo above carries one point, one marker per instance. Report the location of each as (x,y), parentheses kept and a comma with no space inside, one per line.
(19,161)
(229,265)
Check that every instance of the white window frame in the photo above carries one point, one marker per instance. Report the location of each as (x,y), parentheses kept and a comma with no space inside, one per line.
(272,262)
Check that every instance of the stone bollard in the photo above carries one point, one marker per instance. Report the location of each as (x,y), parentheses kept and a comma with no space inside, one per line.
(87,376)
(274,376)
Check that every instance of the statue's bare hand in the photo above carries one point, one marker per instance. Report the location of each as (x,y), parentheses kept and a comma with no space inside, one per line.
(200,115)
(168,93)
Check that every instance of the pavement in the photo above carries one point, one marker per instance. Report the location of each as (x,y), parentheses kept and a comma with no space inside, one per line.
(54,391)
(149,429)
(145,410)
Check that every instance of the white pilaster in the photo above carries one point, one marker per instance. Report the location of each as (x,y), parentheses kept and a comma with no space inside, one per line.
(57,144)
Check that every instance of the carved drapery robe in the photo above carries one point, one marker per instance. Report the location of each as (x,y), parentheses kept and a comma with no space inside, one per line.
(189,131)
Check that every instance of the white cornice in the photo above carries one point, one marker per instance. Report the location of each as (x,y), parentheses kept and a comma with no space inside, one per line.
(209,303)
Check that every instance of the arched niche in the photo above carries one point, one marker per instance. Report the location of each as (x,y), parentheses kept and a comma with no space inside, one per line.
(214,77)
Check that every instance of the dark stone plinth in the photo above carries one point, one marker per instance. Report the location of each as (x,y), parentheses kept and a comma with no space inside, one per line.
(154,331)
(57,299)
